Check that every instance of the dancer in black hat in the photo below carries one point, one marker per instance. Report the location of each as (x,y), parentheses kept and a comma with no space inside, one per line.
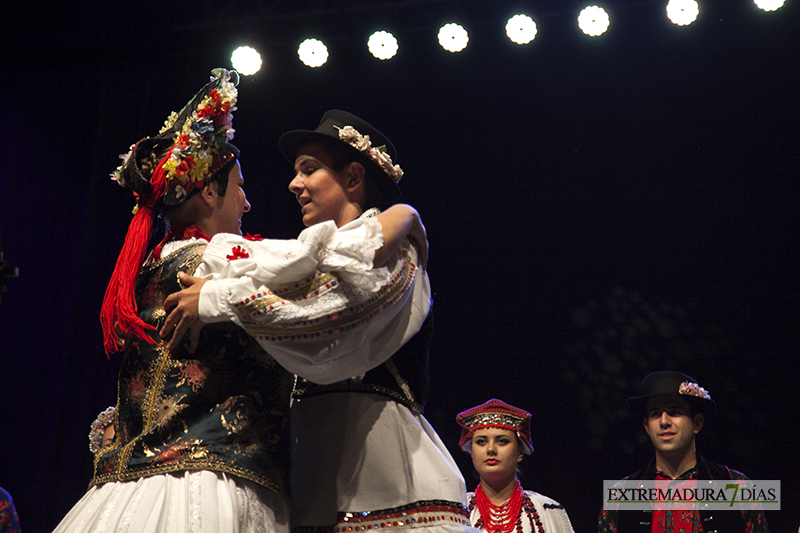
(674,408)
(363,456)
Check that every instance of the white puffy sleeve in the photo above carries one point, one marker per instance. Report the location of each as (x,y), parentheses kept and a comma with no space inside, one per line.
(315,303)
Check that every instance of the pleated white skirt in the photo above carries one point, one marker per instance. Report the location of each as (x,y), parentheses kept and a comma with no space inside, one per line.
(195,502)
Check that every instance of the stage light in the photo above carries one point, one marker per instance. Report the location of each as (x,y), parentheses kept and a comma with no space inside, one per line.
(453,37)
(769,5)
(246,60)
(312,53)
(521,29)
(593,21)
(382,45)
(682,12)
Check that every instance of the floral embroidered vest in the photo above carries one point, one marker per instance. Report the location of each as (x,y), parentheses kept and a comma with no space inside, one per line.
(224,408)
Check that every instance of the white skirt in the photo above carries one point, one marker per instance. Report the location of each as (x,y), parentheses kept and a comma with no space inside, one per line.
(199,501)
(356,452)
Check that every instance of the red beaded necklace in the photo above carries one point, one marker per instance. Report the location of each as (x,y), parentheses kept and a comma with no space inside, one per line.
(499,518)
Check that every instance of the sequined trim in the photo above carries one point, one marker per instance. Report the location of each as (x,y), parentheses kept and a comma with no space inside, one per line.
(493,419)
(418,514)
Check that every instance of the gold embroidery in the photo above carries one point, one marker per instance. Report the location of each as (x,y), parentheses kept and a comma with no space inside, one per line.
(167,410)
(147,451)
(155,408)
(183,466)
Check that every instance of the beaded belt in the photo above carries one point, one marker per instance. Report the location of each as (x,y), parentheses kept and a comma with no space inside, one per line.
(418,514)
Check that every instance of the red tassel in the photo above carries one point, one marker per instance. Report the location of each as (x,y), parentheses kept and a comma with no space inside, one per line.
(119,313)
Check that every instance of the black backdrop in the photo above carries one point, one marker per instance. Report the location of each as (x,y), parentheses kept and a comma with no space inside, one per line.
(597,209)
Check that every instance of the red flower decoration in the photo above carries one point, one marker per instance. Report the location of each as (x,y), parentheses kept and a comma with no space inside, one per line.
(205,112)
(256,237)
(185,166)
(237,253)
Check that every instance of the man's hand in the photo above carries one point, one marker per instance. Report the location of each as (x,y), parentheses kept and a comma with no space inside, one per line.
(185,316)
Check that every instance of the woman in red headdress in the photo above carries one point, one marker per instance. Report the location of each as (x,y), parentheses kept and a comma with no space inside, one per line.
(497,435)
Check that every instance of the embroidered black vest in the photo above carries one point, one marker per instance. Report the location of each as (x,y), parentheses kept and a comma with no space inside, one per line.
(224,408)
(403,378)
(712,521)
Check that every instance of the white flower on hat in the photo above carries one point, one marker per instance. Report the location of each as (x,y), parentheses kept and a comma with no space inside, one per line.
(173,116)
(117,174)
(351,136)
(693,389)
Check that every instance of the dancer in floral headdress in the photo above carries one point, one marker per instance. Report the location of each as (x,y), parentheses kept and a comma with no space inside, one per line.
(497,435)
(202,440)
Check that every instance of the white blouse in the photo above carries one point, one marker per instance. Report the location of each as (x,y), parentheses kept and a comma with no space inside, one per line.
(315,303)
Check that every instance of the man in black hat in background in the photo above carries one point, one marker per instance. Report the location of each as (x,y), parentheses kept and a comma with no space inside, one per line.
(363,454)
(674,409)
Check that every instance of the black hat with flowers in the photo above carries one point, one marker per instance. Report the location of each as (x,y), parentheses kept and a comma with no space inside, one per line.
(667,383)
(187,153)
(356,136)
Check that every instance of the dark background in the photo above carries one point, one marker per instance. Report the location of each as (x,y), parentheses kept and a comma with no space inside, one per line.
(598,208)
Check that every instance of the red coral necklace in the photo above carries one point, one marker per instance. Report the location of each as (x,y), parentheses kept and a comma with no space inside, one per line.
(499,518)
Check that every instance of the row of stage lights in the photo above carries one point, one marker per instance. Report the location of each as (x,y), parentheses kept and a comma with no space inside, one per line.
(521,29)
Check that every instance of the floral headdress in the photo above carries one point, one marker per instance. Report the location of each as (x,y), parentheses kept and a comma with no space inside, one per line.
(98,427)
(199,134)
(496,414)
(351,136)
(191,149)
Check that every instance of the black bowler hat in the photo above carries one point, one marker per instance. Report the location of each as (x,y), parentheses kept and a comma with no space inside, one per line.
(371,147)
(673,384)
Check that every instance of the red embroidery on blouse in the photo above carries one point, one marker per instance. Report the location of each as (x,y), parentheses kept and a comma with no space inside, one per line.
(237,253)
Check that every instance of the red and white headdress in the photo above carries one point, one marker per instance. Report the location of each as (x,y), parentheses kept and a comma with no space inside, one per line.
(495,414)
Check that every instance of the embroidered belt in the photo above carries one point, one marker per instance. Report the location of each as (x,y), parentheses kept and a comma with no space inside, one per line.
(417,514)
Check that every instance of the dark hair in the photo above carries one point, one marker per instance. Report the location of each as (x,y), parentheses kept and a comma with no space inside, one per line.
(341,157)
(221,177)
